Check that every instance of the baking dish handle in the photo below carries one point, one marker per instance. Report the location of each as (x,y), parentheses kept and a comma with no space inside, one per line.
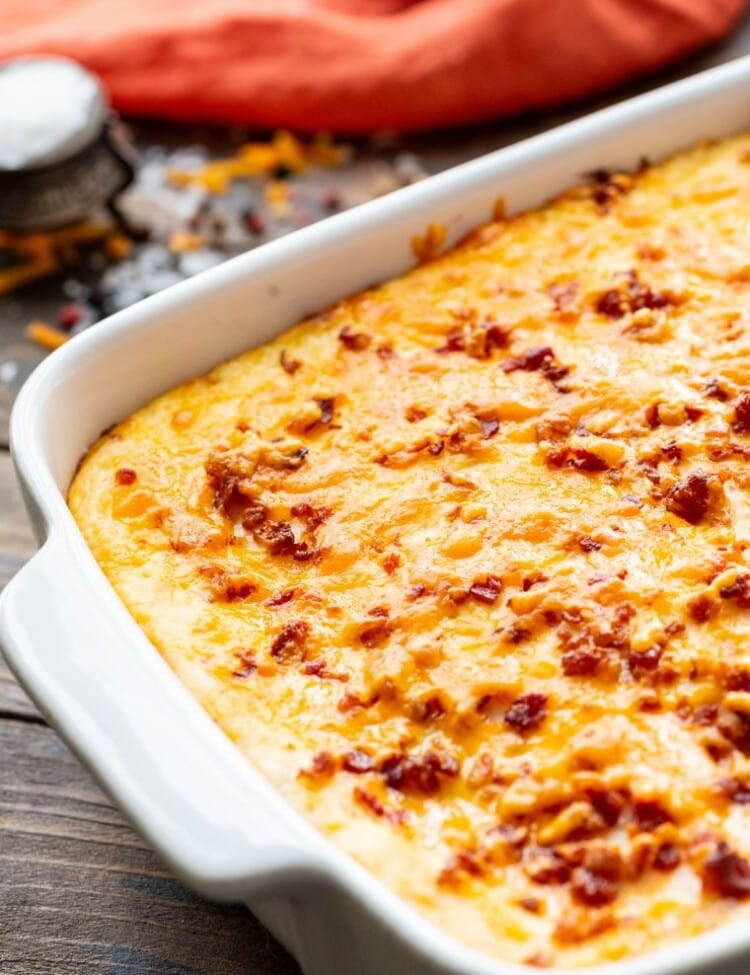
(97,680)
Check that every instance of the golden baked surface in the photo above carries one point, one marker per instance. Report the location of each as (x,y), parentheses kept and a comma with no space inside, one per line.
(461,565)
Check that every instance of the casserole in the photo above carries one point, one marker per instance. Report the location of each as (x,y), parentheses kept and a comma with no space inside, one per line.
(99,681)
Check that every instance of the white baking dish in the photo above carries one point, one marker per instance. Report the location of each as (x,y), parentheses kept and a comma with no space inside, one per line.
(97,679)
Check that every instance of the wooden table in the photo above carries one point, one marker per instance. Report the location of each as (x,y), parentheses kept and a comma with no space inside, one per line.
(79,891)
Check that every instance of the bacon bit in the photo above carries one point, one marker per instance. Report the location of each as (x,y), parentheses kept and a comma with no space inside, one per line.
(738,792)
(517,634)
(289,366)
(391,562)
(225,587)
(531,904)
(631,298)
(414,775)
(607,187)
(581,663)
(476,338)
(315,668)
(608,803)
(649,815)
(587,544)
(490,426)
(430,710)
(674,628)
(530,361)
(486,591)
(611,303)
(246,664)
(358,762)
(281,597)
(726,873)
(672,452)
(644,661)
(354,341)
(739,591)
(596,882)
(700,608)
(313,517)
(578,459)
(652,415)
(454,342)
(527,712)
(462,862)
(545,866)
(369,801)
(741,413)
(436,448)
(715,390)
(688,498)
(279,538)
(563,294)
(326,409)
(738,680)
(323,766)
(414,414)
(416,592)
(736,729)
(351,702)
(291,641)
(126,476)
(375,633)
(667,858)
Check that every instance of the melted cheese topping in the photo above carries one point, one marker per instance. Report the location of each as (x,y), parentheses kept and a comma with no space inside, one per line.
(461,566)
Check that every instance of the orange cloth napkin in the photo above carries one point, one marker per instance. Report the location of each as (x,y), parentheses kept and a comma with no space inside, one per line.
(359,65)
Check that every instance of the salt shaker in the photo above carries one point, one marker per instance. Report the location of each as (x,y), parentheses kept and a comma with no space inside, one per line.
(62,153)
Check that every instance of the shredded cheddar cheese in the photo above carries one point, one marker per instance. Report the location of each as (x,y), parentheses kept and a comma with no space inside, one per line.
(461,565)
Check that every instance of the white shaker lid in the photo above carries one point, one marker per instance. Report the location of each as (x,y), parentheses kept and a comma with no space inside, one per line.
(50,109)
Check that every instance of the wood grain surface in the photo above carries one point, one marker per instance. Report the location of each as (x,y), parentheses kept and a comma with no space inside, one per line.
(80,892)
